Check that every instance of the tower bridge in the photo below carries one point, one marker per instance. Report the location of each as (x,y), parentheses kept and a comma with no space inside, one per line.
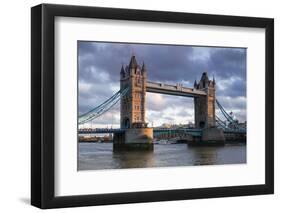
(135,133)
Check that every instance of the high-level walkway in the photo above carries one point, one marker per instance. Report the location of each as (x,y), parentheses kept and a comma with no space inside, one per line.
(177,90)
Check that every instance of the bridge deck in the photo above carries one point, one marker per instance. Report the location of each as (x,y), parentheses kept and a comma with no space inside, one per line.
(187,130)
(178,90)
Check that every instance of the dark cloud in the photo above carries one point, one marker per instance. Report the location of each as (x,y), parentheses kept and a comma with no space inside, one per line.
(99,66)
(228,62)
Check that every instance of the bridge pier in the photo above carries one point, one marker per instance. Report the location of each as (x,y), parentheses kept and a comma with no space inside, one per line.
(212,136)
(134,139)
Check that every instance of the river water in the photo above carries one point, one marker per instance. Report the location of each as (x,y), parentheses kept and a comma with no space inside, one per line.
(97,156)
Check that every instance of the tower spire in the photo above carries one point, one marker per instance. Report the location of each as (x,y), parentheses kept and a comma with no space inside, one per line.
(133,62)
(195,84)
(143,69)
(204,81)
(122,70)
(214,80)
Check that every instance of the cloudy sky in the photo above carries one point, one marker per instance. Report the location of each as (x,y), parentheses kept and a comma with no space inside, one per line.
(100,63)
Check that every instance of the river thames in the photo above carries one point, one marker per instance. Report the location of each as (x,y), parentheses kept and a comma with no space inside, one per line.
(98,156)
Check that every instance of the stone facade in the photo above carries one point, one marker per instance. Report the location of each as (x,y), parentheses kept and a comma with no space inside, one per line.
(139,135)
(213,136)
(205,116)
(133,104)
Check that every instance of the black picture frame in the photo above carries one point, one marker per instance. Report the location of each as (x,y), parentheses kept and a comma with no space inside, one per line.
(43,102)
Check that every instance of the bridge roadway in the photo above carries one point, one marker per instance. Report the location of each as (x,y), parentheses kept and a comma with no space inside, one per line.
(178,89)
(195,132)
(109,130)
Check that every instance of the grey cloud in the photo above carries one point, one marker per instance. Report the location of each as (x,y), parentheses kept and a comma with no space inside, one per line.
(165,63)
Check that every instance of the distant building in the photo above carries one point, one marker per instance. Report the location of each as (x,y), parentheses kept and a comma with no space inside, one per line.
(166,125)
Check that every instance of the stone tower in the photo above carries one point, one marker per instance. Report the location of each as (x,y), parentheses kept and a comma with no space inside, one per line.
(133,103)
(205,116)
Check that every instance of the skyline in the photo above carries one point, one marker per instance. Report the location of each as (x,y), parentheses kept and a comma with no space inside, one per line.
(100,64)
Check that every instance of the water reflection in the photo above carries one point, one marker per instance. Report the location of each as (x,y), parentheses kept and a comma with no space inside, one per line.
(133,159)
(204,155)
(101,156)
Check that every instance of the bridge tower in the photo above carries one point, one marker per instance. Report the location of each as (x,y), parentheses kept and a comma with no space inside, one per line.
(133,103)
(205,112)
(132,118)
(205,116)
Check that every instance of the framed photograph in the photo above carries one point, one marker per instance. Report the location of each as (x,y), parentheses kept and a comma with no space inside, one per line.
(139,106)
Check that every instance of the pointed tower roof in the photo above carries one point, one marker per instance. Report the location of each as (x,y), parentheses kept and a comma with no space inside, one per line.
(143,69)
(214,80)
(205,77)
(122,70)
(133,62)
(195,84)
